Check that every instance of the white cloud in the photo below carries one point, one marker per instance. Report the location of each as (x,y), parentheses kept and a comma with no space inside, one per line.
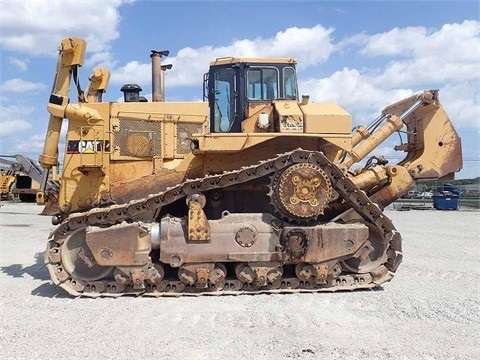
(20,85)
(11,127)
(101,59)
(461,102)
(11,120)
(394,42)
(421,55)
(414,58)
(353,90)
(190,64)
(7,112)
(133,72)
(458,42)
(359,94)
(311,46)
(36,27)
(430,71)
(33,145)
(19,64)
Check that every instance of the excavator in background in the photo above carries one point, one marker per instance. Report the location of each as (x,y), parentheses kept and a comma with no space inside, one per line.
(21,179)
(7,179)
(254,190)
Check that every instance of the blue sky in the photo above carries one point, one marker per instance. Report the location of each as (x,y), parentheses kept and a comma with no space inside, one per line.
(363,54)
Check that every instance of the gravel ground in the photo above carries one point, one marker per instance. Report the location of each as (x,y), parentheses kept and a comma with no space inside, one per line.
(430,310)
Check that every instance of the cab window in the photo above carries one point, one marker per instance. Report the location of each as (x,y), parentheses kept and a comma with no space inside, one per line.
(262,83)
(224,90)
(290,83)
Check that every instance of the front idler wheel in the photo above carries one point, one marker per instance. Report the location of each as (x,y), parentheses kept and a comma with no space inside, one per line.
(78,260)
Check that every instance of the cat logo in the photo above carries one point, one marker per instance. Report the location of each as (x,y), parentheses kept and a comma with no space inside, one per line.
(87,146)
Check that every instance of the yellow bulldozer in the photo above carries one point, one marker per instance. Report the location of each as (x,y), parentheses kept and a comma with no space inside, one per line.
(254,190)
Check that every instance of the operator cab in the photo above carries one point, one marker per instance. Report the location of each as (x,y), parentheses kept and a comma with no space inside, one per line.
(233,84)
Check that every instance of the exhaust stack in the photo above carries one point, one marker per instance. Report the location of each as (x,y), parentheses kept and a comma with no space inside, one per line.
(158,75)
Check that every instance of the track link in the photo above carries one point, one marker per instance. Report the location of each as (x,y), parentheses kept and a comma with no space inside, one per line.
(354,197)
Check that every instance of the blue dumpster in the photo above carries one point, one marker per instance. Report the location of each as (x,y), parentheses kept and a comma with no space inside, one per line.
(445,201)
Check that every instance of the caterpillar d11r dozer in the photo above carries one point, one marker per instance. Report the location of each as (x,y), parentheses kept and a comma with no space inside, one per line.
(253,190)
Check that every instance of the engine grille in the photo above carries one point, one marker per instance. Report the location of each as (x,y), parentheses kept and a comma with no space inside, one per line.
(138,138)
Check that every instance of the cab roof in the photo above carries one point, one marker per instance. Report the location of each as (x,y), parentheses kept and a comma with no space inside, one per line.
(234,60)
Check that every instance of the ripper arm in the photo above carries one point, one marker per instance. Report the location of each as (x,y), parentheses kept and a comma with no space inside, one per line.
(70,58)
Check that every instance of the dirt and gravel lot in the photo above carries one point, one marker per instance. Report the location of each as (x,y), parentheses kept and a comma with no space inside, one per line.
(430,310)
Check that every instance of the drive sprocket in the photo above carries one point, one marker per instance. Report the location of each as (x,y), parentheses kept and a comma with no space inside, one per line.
(301,191)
